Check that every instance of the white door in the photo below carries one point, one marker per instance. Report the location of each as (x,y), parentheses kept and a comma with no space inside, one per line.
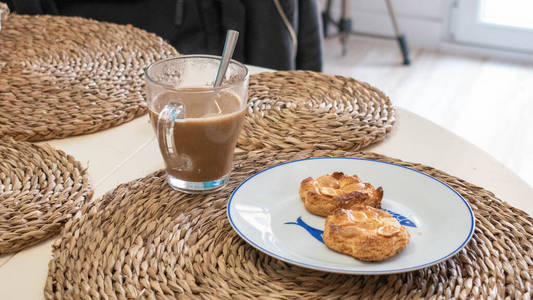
(504,24)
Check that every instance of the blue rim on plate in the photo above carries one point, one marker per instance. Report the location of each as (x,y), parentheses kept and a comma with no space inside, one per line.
(344,271)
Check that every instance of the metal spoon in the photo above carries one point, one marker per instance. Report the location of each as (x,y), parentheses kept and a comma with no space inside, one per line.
(227,53)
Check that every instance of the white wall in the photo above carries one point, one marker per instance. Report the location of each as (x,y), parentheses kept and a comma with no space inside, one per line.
(425,23)
(422,21)
(416,9)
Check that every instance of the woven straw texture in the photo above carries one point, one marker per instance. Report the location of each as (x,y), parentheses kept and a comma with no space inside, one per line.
(66,76)
(40,189)
(309,110)
(143,240)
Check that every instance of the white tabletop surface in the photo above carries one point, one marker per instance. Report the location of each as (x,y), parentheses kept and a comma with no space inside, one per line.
(130,151)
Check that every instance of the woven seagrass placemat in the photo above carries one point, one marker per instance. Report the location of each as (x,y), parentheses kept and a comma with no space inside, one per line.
(40,189)
(66,76)
(309,110)
(144,240)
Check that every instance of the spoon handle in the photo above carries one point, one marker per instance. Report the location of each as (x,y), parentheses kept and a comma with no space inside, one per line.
(227,53)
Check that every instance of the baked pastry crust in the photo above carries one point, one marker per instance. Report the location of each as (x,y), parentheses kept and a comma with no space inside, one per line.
(322,196)
(365,233)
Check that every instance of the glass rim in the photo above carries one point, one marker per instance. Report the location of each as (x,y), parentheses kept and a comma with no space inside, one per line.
(186,56)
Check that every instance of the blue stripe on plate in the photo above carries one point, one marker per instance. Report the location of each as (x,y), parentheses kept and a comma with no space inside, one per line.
(345,271)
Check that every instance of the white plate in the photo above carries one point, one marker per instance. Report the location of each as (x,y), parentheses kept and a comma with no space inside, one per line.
(266,211)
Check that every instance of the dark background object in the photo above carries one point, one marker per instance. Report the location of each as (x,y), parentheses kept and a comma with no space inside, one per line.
(199,26)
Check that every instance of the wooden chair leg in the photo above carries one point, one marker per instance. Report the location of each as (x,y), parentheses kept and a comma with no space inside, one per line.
(345,24)
(326,18)
(402,42)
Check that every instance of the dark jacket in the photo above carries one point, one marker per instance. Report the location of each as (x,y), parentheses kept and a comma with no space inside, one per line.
(199,26)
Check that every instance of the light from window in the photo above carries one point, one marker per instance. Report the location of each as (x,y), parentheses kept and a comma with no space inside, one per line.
(514,13)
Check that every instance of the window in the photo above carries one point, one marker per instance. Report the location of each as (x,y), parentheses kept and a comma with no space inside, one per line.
(494,23)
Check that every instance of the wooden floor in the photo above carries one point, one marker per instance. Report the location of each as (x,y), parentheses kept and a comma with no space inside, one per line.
(487,102)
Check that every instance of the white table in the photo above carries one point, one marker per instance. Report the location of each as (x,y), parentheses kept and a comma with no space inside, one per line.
(130,151)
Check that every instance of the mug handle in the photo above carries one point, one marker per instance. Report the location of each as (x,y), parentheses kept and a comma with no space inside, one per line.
(165,128)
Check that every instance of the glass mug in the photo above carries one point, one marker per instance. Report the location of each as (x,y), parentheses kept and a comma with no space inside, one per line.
(196,125)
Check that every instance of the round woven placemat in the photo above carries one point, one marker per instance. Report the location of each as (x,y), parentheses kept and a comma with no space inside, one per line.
(40,189)
(309,110)
(66,76)
(144,240)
